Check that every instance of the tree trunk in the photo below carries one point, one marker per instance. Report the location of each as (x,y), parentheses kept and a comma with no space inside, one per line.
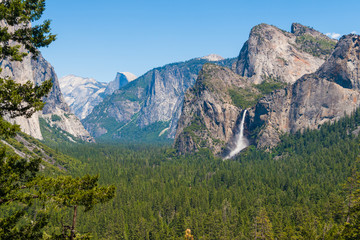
(349,203)
(72,236)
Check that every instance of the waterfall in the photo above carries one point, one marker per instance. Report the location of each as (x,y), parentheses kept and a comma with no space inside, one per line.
(241,141)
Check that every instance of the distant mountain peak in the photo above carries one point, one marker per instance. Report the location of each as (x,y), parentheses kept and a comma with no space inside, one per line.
(212,57)
(130,77)
(81,94)
(121,79)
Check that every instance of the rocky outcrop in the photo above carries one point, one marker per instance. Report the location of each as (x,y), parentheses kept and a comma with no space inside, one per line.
(314,99)
(68,123)
(22,72)
(343,65)
(312,41)
(41,71)
(272,53)
(209,115)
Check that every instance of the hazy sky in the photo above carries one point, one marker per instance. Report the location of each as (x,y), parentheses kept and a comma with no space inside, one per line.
(99,38)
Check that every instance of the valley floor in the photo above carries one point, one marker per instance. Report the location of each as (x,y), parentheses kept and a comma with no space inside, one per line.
(296,191)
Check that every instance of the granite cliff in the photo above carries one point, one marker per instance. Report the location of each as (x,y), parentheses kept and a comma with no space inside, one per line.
(210,114)
(272,53)
(324,96)
(37,70)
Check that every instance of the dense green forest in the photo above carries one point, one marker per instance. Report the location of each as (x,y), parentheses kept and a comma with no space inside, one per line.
(296,191)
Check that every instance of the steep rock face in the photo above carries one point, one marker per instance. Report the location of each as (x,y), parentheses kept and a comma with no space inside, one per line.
(113,113)
(149,105)
(36,71)
(343,65)
(118,109)
(22,72)
(82,94)
(42,70)
(55,103)
(314,99)
(68,123)
(166,92)
(121,79)
(271,53)
(209,115)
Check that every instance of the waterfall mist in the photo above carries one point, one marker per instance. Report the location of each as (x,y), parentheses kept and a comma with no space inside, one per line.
(241,141)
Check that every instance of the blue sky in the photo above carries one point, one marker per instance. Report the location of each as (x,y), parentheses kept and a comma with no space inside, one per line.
(99,38)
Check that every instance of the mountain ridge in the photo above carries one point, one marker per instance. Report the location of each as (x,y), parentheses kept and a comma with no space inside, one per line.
(153,101)
(83,94)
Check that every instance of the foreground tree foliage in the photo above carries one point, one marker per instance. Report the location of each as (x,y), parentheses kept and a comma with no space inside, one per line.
(20,184)
(71,192)
(16,31)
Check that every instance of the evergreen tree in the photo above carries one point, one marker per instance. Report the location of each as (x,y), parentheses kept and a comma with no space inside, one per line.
(262,226)
(16,30)
(17,175)
(19,183)
(352,225)
(71,192)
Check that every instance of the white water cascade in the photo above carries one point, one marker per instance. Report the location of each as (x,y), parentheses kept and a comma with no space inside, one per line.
(241,141)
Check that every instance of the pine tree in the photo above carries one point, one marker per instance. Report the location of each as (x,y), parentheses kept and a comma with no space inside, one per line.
(19,182)
(69,192)
(262,226)
(17,40)
(352,225)
(16,30)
